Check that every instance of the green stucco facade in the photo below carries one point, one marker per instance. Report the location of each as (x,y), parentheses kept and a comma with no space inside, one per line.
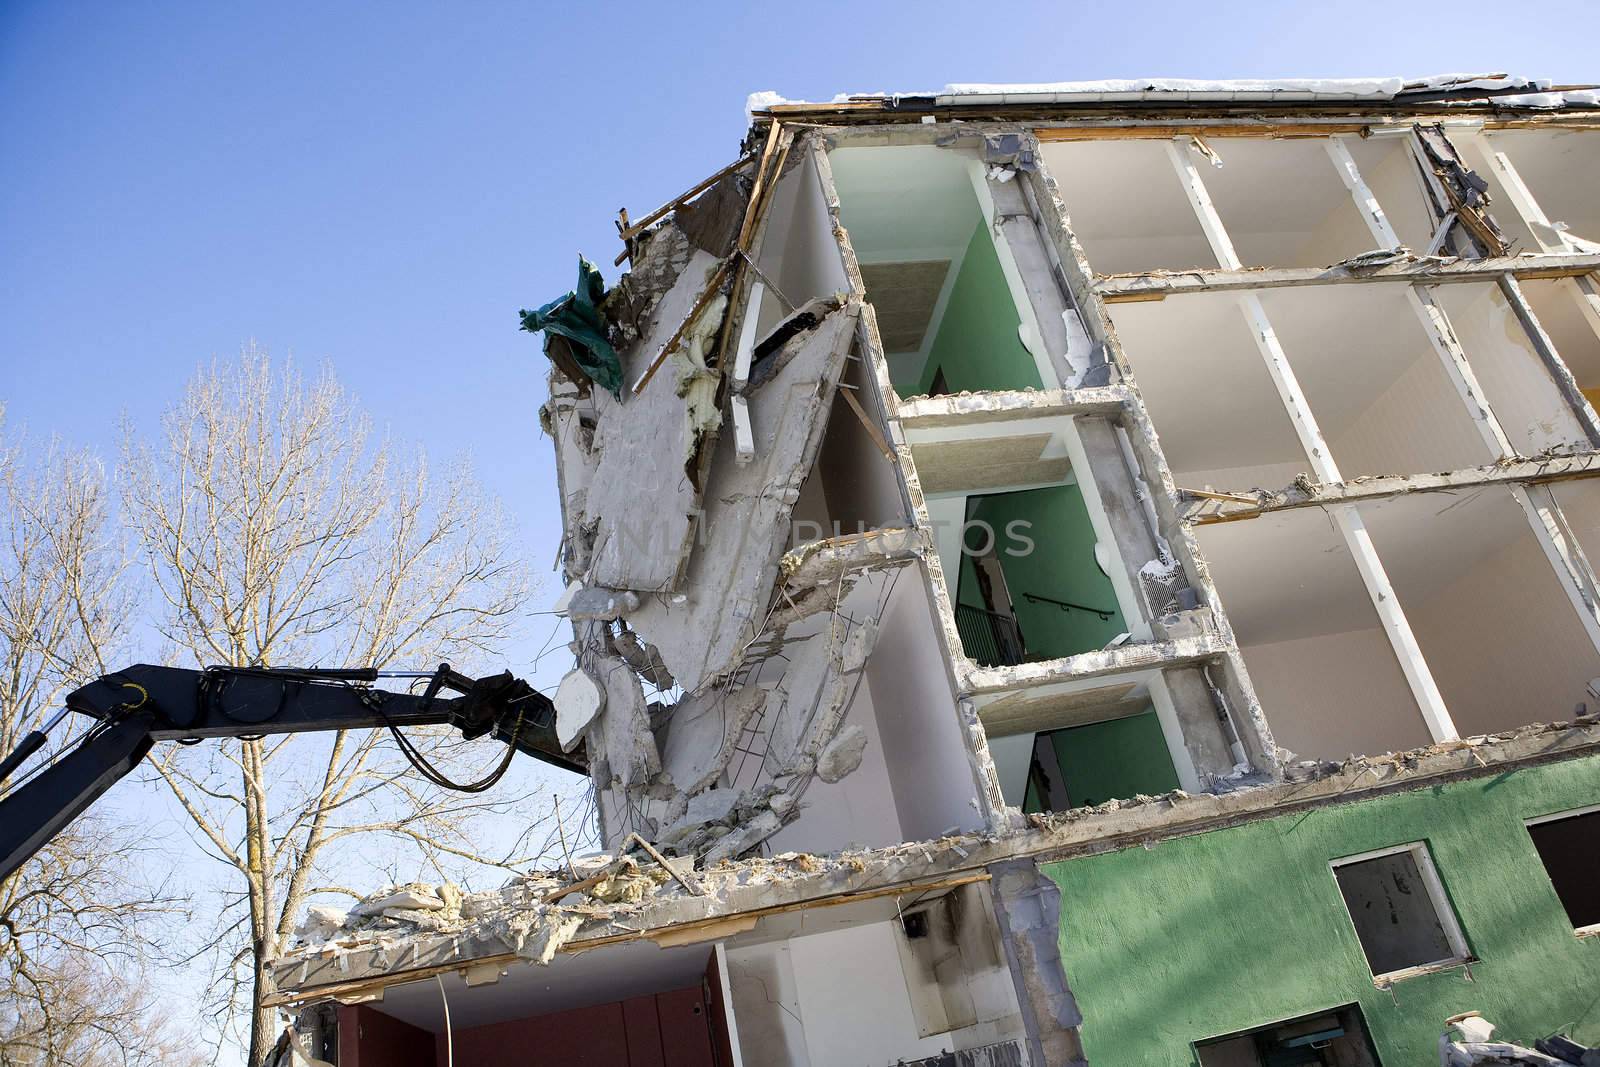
(1218,932)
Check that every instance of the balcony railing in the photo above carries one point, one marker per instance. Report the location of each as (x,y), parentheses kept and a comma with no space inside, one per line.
(989,638)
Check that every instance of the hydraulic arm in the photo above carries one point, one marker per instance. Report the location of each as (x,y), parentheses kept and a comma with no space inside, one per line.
(144,704)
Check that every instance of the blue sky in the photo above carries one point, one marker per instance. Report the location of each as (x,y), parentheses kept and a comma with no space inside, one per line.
(383,186)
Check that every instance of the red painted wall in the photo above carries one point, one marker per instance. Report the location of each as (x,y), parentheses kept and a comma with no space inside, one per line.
(369,1038)
(664,1030)
(672,1029)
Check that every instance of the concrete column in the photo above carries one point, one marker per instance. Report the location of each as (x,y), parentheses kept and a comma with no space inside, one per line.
(1028,907)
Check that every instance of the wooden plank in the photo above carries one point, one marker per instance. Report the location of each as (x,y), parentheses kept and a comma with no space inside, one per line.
(866,422)
(632,230)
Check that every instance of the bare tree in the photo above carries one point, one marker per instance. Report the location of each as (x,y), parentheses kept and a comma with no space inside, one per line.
(95,1017)
(278,532)
(74,919)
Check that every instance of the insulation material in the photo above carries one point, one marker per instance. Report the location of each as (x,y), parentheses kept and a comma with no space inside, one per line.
(640,501)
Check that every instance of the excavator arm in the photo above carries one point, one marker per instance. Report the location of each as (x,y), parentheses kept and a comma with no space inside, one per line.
(144,704)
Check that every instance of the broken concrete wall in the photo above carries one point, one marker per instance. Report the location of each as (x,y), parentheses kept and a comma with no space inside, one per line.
(641,502)
(1028,907)
(749,652)
(729,584)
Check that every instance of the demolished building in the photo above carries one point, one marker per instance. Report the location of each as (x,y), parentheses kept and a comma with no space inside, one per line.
(1085,572)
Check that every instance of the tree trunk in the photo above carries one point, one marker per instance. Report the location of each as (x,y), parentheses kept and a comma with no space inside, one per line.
(262,942)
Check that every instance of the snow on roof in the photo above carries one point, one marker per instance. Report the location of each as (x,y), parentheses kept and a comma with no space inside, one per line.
(1454,88)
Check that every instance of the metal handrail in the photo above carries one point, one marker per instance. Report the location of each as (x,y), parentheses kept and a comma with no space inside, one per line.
(1067,605)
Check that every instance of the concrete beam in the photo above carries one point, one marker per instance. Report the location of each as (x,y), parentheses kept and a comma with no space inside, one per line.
(1510,472)
(965,409)
(1141,657)
(1155,285)
(354,968)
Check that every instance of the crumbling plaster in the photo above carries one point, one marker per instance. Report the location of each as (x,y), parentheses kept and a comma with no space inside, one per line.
(354,956)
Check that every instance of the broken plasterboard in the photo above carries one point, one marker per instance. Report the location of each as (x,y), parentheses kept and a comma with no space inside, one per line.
(728,586)
(640,500)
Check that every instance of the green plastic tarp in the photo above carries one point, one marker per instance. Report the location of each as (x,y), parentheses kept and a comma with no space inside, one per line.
(573,323)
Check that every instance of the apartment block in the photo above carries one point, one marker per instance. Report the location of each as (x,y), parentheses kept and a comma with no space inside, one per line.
(1084,573)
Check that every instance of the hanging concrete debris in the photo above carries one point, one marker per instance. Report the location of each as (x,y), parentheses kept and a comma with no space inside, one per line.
(728,586)
(641,501)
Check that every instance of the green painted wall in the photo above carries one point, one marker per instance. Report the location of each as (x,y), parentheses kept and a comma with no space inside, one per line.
(1060,565)
(1210,934)
(1117,759)
(977,343)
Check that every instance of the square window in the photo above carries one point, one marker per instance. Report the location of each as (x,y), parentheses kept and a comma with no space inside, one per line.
(1338,1037)
(1401,914)
(1569,847)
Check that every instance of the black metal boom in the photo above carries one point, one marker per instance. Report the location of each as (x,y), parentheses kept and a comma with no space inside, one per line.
(143,704)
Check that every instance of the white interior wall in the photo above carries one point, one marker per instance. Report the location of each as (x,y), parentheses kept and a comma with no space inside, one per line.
(1217,414)
(930,769)
(1559,168)
(840,999)
(799,252)
(1319,660)
(1125,205)
(1283,202)
(861,485)
(1493,621)
(1373,379)
(947,512)
(960,984)
(859,809)
(766,1006)
(1013,756)
(1391,172)
(851,994)
(1336,695)
(1515,383)
(1579,504)
(1555,303)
